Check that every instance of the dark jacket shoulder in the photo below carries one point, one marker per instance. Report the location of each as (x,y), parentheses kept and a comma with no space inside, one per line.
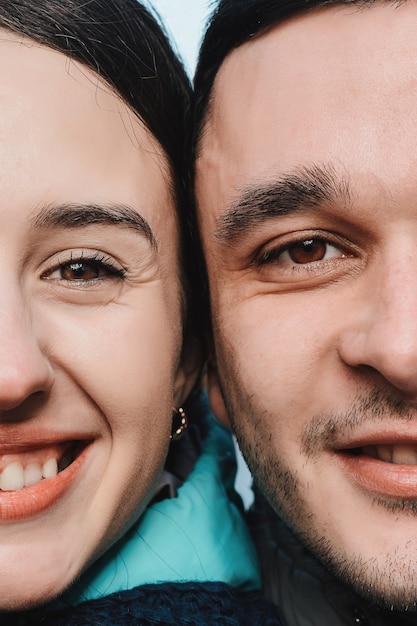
(306,593)
(167,604)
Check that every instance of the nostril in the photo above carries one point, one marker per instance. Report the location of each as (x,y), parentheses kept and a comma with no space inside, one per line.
(24,372)
(386,361)
(19,390)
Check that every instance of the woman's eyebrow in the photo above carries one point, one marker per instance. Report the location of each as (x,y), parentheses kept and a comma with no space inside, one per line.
(300,190)
(80,215)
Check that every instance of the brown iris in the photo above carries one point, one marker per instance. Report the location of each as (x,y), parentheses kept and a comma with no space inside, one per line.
(307,251)
(80,270)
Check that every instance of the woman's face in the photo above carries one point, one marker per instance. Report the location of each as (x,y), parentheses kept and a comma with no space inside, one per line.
(90,319)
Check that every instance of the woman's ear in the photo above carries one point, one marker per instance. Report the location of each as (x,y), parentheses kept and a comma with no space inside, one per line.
(188,370)
(215,395)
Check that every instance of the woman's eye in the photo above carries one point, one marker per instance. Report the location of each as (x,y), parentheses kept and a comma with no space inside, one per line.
(80,270)
(83,270)
(302,252)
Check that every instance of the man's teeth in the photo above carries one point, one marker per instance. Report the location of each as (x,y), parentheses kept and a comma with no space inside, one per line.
(15,476)
(384,453)
(399,454)
(404,455)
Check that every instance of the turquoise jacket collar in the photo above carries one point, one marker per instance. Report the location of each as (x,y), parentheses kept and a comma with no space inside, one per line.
(198,536)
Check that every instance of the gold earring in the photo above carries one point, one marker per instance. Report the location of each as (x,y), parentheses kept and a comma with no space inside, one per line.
(179,423)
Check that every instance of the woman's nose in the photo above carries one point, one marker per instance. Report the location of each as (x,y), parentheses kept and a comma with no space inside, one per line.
(24,367)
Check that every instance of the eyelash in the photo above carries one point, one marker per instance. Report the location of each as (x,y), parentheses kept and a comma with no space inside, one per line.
(272,256)
(99,261)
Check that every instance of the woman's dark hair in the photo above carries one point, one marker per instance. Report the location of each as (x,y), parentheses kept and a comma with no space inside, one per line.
(127,47)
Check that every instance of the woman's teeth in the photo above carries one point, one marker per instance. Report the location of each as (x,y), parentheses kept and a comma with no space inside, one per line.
(15,476)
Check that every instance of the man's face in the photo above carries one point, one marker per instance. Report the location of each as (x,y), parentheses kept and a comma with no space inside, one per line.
(90,319)
(307,193)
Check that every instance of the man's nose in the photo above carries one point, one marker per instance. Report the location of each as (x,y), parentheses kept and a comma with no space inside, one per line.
(24,367)
(380,332)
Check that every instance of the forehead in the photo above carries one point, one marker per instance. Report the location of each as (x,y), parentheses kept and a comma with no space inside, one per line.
(57,113)
(305,91)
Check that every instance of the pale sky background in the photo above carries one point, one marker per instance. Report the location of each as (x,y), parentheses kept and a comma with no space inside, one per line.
(185,20)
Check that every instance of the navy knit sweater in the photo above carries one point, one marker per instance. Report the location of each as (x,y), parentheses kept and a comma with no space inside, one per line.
(168,604)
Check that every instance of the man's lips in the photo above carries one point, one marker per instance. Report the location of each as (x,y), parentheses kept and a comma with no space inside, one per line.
(399,454)
(386,468)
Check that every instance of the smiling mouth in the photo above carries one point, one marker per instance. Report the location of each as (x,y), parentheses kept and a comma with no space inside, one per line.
(398,454)
(25,469)
(387,469)
(36,478)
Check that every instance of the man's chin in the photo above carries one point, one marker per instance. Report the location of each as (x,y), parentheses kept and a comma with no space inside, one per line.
(387,582)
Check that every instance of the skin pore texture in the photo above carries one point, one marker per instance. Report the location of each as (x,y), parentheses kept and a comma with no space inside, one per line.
(307,186)
(91,319)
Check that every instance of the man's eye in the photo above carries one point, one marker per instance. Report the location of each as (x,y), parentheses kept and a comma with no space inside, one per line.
(302,252)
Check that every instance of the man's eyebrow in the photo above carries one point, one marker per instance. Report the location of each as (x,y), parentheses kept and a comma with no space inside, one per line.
(300,190)
(80,215)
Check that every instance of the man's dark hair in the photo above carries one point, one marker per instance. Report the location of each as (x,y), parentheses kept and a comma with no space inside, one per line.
(234,22)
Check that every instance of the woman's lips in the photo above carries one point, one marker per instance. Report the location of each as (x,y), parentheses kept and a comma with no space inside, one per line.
(28,467)
(33,480)
(387,469)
